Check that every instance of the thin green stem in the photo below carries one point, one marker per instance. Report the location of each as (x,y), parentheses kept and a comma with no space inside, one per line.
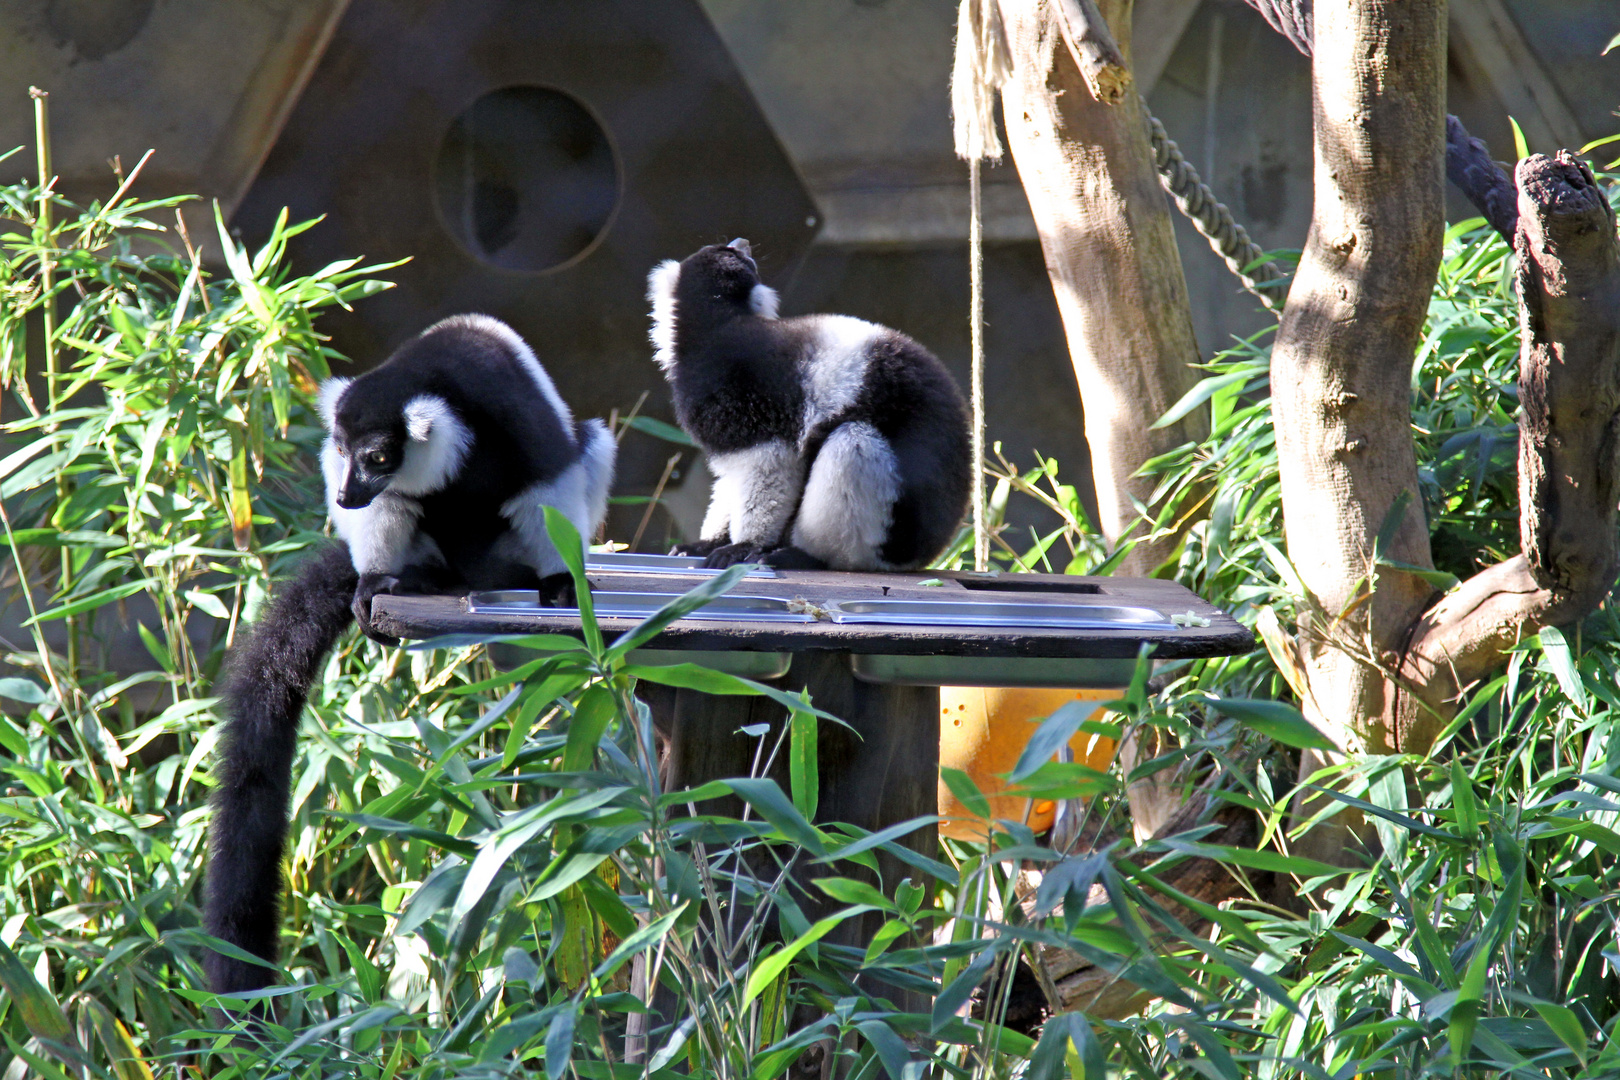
(46,232)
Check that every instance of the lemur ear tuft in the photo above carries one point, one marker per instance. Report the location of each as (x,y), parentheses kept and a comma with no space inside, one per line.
(423,413)
(763,301)
(331,393)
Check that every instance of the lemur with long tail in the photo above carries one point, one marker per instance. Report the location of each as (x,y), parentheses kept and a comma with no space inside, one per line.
(438,465)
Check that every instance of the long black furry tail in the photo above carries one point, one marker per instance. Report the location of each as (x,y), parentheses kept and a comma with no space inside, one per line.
(266,682)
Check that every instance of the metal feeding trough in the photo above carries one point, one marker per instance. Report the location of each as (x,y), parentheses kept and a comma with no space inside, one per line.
(943,629)
(620,562)
(637,605)
(1071,616)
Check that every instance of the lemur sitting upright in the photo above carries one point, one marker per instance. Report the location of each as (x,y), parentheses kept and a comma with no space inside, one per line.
(438,468)
(833,442)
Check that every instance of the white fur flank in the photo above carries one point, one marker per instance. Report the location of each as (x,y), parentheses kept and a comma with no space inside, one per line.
(331,393)
(382,535)
(438,444)
(661,294)
(764,301)
(520,349)
(580,492)
(834,366)
(848,503)
(722,500)
(756,489)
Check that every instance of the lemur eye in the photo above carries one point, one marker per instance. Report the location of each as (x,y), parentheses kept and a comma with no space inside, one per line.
(377,458)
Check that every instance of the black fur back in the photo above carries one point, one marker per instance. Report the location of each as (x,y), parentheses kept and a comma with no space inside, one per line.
(915,404)
(476,366)
(740,377)
(264,690)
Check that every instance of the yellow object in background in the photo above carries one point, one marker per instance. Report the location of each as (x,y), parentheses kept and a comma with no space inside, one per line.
(983,730)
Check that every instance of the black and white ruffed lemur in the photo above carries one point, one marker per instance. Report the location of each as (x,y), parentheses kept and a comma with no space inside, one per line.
(833,442)
(437,466)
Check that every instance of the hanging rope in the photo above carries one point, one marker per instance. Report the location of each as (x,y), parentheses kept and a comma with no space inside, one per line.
(1211,217)
(981,530)
(981,68)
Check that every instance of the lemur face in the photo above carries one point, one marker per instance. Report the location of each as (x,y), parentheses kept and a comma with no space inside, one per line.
(724,272)
(370,460)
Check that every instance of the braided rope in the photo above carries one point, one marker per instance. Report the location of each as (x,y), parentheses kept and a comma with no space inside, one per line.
(1211,217)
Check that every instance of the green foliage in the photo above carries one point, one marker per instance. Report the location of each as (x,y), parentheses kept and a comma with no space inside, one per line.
(487,879)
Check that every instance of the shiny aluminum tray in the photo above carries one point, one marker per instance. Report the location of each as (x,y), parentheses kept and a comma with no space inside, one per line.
(638,605)
(621,562)
(979,613)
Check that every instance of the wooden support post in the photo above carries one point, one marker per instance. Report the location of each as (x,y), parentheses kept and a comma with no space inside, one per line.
(881,770)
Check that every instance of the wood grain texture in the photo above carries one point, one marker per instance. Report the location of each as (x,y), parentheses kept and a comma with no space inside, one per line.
(1341,368)
(1111,255)
(1568,283)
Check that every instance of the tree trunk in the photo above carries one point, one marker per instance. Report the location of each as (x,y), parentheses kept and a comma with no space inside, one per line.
(1568,284)
(1341,367)
(1105,228)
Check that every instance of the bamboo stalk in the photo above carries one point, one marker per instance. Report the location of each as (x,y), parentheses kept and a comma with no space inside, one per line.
(47,280)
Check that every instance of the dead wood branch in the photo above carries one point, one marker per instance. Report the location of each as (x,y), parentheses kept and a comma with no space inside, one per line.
(1569,440)
(1094,51)
(1470,167)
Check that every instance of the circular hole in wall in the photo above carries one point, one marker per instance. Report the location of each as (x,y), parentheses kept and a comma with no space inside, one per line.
(526,179)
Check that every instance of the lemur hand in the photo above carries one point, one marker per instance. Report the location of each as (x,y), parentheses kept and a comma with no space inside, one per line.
(558,591)
(372,585)
(701,549)
(732,554)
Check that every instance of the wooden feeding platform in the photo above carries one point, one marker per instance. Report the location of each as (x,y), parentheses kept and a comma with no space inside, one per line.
(872,649)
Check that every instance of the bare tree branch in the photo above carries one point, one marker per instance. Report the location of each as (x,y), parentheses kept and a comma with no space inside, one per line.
(1094,51)
(1110,248)
(1469,166)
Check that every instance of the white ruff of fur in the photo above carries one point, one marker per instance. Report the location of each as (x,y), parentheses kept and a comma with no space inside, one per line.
(755,491)
(579,493)
(331,393)
(661,294)
(438,444)
(764,301)
(520,351)
(848,505)
(835,366)
(381,535)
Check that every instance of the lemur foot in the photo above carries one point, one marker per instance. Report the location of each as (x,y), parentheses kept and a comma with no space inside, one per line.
(700,549)
(732,554)
(372,585)
(557,590)
(792,558)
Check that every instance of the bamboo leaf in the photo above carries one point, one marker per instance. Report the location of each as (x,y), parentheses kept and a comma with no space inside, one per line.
(1052,736)
(803,775)
(39,1012)
(1283,723)
(769,802)
(775,963)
